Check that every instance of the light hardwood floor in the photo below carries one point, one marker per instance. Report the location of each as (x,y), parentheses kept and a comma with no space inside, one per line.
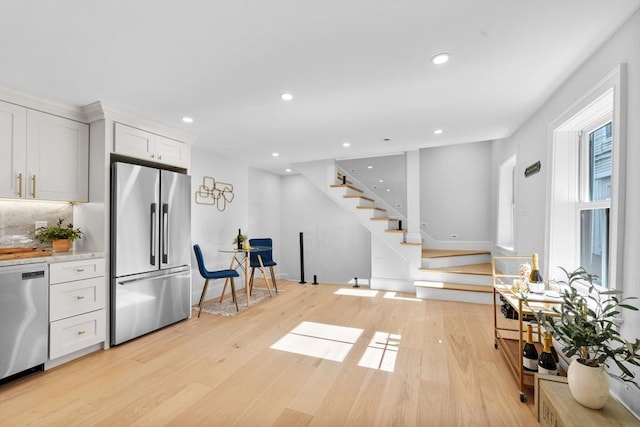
(221,371)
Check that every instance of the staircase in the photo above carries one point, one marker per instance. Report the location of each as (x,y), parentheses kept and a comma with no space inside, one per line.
(398,265)
(460,275)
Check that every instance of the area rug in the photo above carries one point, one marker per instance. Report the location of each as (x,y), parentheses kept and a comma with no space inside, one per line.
(228,308)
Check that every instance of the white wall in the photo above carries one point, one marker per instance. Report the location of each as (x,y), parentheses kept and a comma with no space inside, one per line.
(265,209)
(337,247)
(210,228)
(531,143)
(455,185)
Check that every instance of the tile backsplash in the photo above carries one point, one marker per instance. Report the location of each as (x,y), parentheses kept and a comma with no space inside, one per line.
(18,221)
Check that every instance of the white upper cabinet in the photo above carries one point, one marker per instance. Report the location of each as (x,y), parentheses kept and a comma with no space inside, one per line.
(42,156)
(13,149)
(133,142)
(57,158)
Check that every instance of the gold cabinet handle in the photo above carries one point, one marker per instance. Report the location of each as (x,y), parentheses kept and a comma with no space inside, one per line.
(79,297)
(20,184)
(79,270)
(81,332)
(33,186)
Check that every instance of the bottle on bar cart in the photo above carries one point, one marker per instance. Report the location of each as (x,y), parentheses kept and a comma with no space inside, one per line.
(546,362)
(536,282)
(529,352)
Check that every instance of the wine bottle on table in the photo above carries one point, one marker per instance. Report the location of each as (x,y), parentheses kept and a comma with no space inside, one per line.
(536,282)
(546,362)
(239,239)
(529,352)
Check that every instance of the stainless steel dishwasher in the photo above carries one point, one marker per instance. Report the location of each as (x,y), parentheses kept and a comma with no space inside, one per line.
(24,294)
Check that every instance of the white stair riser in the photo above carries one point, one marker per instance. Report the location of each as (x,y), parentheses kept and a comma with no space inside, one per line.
(357,201)
(438,276)
(454,295)
(455,260)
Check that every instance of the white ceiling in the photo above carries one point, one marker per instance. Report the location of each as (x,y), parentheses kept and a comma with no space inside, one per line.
(359,70)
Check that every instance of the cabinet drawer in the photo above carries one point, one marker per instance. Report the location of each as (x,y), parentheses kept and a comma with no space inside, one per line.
(73,298)
(76,270)
(76,333)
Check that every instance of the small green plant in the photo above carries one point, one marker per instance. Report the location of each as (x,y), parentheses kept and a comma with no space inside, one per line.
(58,232)
(586,325)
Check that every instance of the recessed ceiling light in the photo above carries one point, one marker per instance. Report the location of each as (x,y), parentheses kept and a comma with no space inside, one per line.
(438,131)
(287,170)
(346,144)
(275,154)
(440,58)
(369,167)
(381,180)
(187,119)
(388,189)
(286,96)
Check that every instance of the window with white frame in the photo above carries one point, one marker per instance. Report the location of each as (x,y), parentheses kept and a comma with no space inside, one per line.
(507,203)
(595,198)
(586,205)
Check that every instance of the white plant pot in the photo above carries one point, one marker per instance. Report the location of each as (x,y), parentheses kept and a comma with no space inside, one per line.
(588,385)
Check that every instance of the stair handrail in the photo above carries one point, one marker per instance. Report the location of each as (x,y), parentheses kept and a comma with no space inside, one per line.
(367,192)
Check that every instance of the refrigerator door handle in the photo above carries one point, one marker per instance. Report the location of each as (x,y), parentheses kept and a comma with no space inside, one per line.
(165,233)
(152,240)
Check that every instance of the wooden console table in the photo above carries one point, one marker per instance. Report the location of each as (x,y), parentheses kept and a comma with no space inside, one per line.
(557,408)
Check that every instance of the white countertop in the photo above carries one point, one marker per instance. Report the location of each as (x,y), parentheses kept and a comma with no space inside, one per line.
(54,257)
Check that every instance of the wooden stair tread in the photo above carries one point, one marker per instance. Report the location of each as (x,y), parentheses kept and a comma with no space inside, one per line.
(441,253)
(454,286)
(376,208)
(383,218)
(358,196)
(411,243)
(478,269)
(394,230)
(346,186)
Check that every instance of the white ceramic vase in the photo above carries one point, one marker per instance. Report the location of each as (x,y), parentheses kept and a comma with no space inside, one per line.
(588,385)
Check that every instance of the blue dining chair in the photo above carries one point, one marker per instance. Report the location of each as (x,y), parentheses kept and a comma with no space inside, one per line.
(267,259)
(208,275)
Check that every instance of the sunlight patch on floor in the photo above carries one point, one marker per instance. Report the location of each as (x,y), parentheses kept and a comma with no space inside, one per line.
(382,352)
(356,292)
(393,295)
(330,342)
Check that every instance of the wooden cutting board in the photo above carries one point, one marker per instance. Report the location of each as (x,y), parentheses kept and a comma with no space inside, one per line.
(16,253)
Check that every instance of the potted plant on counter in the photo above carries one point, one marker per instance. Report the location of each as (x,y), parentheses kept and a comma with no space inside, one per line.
(585,326)
(59,236)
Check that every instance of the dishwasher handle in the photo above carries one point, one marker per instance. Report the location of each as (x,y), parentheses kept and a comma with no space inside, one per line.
(37,274)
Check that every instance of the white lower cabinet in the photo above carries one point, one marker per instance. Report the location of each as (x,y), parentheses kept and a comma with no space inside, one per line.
(76,333)
(77,314)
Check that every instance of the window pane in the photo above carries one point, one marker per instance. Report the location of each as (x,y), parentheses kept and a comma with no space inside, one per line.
(600,163)
(594,243)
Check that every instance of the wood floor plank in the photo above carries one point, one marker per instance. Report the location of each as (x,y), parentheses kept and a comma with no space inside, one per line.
(217,370)
(291,418)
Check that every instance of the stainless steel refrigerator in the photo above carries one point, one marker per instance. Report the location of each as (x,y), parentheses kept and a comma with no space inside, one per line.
(150,249)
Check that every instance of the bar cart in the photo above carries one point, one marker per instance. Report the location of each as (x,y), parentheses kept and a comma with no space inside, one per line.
(508,334)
